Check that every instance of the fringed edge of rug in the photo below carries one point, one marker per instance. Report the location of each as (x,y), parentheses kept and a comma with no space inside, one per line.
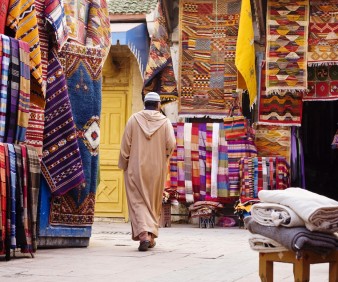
(320,99)
(279,123)
(275,90)
(323,63)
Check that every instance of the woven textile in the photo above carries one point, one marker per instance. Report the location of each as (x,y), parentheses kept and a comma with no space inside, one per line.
(187,163)
(98,30)
(287,34)
(202,159)
(196,185)
(180,159)
(12,101)
(208,75)
(245,52)
(283,108)
(6,59)
(12,171)
(8,202)
(22,20)
(3,198)
(83,70)
(55,15)
(24,94)
(323,33)
(214,160)
(61,161)
(77,19)
(223,169)
(262,173)
(323,83)
(173,163)
(3,14)
(273,141)
(236,150)
(159,73)
(208,157)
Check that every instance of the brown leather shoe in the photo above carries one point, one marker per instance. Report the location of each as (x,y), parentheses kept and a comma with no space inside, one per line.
(144,245)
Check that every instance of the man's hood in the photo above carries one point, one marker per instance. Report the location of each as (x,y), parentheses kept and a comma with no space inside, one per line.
(150,121)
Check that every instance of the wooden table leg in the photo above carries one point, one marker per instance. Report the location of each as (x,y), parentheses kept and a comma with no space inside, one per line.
(265,269)
(333,271)
(301,269)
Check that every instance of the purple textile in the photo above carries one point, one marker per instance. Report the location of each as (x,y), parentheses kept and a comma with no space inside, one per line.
(61,161)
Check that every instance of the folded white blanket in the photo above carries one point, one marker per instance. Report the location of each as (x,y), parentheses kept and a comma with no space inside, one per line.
(271,214)
(264,244)
(318,212)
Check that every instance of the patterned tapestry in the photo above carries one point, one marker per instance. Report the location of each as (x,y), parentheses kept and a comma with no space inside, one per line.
(323,33)
(323,83)
(208,75)
(83,69)
(159,73)
(273,141)
(287,34)
(283,108)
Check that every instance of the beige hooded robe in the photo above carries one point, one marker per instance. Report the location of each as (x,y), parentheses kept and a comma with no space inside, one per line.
(146,146)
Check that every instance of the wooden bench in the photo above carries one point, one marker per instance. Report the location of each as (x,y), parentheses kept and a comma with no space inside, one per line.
(301,264)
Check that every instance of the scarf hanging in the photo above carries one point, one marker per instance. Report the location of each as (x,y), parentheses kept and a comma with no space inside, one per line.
(196,185)
(12,178)
(24,94)
(13,90)
(214,161)
(6,59)
(208,157)
(3,198)
(222,175)
(173,163)
(180,160)
(3,15)
(187,163)
(202,133)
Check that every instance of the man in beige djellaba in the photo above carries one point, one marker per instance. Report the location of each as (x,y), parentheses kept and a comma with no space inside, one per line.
(147,144)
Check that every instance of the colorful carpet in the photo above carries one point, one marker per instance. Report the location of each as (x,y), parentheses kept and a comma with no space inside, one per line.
(323,83)
(159,73)
(273,141)
(323,33)
(208,75)
(83,69)
(287,34)
(61,162)
(283,108)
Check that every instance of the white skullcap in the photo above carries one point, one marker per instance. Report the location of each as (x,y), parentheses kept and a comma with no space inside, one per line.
(152,96)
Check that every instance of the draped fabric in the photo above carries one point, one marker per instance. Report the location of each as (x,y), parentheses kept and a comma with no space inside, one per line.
(202,159)
(24,94)
(187,163)
(159,73)
(12,178)
(223,165)
(286,52)
(83,70)
(208,75)
(214,161)
(12,101)
(3,14)
(208,157)
(180,159)
(173,163)
(22,20)
(61,162)
(6,58)
(245,52)
(3,197)
(195,161)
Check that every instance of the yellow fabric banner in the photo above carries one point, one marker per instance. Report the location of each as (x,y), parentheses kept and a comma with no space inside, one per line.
(245,53)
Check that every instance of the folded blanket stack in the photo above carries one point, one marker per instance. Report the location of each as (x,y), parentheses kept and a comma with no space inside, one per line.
(295,219)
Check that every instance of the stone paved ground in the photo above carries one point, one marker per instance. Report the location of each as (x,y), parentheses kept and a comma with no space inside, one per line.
(183,253)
